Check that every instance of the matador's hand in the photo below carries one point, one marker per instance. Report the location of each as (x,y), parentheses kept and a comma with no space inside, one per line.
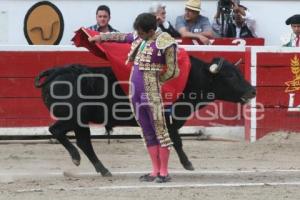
(95,38)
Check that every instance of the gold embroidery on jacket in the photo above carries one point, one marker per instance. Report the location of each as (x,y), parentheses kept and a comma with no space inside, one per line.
(134,50)
(152,88)
(164,40)
(172,66)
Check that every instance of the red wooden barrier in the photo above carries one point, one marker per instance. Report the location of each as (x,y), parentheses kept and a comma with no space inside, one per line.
(278,91)
(274,71)
(20,103)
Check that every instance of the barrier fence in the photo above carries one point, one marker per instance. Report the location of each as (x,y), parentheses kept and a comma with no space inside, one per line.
(275,71)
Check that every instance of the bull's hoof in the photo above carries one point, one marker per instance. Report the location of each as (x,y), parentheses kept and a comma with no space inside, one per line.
(75,157)
(76,162)
(188,166)
(106,174)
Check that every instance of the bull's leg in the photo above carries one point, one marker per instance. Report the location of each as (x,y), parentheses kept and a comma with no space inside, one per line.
(83,139)
(59,131)
(184,160)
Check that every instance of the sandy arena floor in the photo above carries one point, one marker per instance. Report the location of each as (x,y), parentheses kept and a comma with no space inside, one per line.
(268,169)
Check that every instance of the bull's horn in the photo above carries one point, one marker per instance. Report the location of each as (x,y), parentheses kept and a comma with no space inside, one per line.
(215,68)
(238,62)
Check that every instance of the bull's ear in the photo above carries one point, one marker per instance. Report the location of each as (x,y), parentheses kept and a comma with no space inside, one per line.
(216,67)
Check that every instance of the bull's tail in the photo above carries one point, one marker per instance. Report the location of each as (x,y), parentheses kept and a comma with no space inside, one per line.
(48,75)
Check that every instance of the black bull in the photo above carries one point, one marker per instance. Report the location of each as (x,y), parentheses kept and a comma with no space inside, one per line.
(72,99)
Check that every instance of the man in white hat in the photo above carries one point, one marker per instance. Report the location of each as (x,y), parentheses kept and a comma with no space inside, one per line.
(192,24)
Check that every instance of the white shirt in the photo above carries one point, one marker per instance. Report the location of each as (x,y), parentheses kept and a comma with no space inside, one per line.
(289,39)
(249,21)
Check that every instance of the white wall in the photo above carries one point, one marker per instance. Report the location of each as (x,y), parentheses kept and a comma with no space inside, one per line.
(270,15)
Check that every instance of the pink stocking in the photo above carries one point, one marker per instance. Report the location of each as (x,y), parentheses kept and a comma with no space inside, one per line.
(164,153)
(154,155)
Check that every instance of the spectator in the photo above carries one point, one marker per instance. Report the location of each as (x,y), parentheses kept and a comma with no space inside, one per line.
(159,10)
(192,24)
(234,21)
(103,18)
(294,38)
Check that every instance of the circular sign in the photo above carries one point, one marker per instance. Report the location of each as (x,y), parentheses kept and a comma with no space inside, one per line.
(43,24)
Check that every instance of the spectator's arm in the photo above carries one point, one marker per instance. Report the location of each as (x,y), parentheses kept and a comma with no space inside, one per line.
(202,36)
(216,27)
(167,27)
(238,9)
(218,14)
(207,29)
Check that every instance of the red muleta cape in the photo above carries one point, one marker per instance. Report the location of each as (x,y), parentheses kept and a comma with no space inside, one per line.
(116,54)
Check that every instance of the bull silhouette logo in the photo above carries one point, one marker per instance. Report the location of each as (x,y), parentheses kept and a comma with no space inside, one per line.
(294,85)
(43,24)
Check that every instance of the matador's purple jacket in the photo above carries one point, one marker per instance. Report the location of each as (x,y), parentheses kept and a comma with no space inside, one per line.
(154,61)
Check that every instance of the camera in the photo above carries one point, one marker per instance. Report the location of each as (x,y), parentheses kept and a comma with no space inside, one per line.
(225,6)
(225,3)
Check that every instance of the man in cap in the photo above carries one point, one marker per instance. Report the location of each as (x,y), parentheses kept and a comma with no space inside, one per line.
(192,24)
(294,38)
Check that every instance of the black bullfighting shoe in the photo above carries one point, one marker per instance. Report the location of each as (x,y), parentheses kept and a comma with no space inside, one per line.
(147,178)
(163,179)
